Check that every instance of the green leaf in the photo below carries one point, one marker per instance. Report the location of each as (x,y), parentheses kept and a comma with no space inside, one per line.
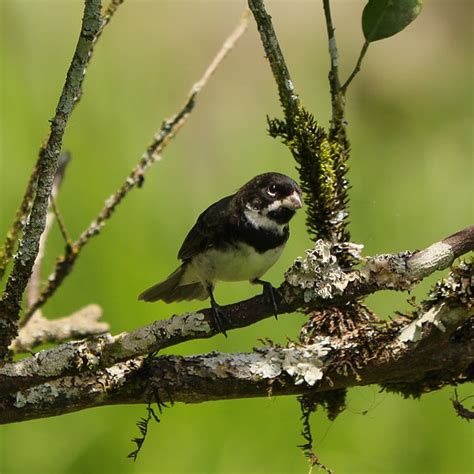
(384,18)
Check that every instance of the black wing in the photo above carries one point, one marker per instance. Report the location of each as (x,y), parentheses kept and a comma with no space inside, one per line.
(208,229)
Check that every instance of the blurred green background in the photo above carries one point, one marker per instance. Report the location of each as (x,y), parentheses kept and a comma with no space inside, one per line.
(411,170)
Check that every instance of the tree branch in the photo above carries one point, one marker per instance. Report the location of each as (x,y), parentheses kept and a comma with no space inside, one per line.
(315,282)
(39,330)
(337,97)
(10,303)
(33,288)
(168,130)
(288,98)
(8,247)
(366,356)
(357,67)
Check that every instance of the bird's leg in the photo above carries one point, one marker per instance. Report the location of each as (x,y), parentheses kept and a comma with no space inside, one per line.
(270,292)
(220,318)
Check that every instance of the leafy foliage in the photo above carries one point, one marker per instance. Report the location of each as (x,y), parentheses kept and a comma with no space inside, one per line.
(384,18)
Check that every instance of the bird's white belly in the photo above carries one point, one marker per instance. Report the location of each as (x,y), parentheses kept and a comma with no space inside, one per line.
(234,263)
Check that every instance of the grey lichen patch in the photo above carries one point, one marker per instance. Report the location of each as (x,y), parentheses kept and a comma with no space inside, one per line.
(222,365)
(267,365)
(117,375)
(71,388)
(451,302)
(459,286)
(413,332)
(304,364)
(80,356)
(87,353)
(319,274)
(151,337)
(388,271)
(39,395)
(188,324)
(441,315)
(140,341)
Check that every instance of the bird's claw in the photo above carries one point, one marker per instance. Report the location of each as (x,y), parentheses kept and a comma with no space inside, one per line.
(220,318)
(272,294)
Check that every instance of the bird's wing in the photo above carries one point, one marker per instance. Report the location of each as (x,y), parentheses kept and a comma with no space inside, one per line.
(205,233)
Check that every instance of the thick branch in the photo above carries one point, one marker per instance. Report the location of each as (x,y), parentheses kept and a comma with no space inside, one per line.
(315,282)
(329,364)
(47,165)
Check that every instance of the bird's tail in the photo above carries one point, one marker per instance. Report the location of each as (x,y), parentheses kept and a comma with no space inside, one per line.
(171,289)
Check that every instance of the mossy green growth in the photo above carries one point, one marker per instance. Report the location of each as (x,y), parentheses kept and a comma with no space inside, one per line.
(319,159)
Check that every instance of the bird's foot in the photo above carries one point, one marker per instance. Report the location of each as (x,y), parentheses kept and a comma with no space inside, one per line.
(220,318)
(271,293)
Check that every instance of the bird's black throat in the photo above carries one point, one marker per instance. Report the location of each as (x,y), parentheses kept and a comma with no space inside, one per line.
(261,239)
(282,215)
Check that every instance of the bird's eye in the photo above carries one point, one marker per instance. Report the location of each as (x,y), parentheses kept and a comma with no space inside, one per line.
(272,190)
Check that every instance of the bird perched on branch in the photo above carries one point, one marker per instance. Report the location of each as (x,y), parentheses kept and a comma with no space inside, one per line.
(235,239)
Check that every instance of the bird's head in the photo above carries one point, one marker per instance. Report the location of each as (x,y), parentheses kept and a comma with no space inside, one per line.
(270,200)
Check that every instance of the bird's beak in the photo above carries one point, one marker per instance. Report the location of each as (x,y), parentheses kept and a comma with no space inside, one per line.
(293,201)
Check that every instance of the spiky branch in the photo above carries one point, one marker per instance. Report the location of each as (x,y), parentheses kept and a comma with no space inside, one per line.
(320,155)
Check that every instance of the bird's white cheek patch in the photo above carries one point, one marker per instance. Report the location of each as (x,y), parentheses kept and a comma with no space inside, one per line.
(273,206)
(262,221)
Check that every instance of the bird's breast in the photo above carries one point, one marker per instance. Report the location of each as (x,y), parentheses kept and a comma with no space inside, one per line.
(234,263)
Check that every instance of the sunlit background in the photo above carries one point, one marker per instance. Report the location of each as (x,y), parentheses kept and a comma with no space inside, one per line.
(411,171)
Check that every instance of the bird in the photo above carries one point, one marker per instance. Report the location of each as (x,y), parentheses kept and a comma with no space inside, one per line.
(237,238)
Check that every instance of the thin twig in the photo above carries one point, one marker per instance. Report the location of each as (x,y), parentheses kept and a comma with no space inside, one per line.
(61,224)
(167,131)
(33,288)
(337,98)
(8,248)
(10,303)
(364,49)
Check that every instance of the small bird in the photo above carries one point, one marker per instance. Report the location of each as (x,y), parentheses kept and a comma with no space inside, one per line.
(235,239)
